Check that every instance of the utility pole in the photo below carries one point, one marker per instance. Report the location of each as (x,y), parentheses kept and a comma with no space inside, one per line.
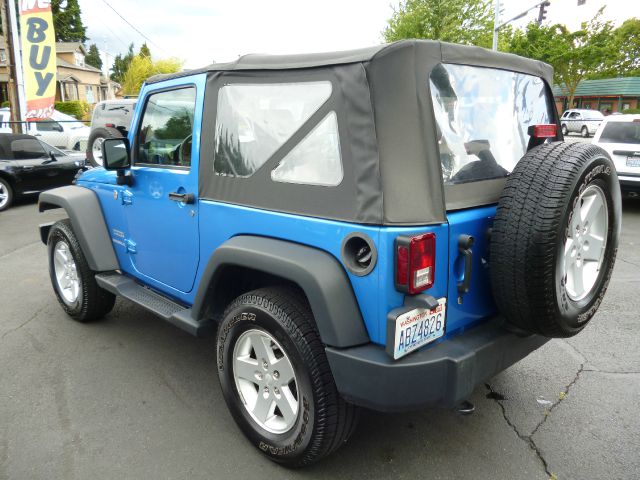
(496,21)
(11,84)
(17,59)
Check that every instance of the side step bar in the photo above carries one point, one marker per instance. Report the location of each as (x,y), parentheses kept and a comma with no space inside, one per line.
(156,303)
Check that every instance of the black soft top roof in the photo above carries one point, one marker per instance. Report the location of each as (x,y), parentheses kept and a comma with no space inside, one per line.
(387,128)
(449,52)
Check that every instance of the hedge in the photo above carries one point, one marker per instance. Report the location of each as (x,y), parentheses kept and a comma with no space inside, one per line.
(631,110)
(76,108)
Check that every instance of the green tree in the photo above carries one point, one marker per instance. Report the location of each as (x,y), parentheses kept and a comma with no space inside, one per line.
(144,51)
(142,68)
(627,44)
(93,57)
(469,22)
(67,21)
(121,65)
(574,56)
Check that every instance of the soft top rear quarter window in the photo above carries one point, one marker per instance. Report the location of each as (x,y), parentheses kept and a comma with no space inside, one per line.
(482,115)
(255,120)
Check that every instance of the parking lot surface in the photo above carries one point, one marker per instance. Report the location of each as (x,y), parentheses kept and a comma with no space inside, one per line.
(133,397)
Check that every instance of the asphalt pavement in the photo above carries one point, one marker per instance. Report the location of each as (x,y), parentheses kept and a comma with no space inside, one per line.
(131,397)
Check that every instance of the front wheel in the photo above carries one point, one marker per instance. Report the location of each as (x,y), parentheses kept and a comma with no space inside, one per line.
(585,132)
(6,194)
(276,380)
(565,130)
(73,281)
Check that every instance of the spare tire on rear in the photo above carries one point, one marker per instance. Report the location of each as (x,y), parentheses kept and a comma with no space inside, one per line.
(94,144)
(555,237)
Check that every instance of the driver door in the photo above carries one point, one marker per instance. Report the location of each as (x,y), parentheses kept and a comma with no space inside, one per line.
(161,207)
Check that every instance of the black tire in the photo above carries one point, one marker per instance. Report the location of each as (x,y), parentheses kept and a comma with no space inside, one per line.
(565,130)
(584,132)
(7,199)
(99,134)
(324,420)
(92,301)
(530,231)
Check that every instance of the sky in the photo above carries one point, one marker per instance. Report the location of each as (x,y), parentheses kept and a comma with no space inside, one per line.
(201,32)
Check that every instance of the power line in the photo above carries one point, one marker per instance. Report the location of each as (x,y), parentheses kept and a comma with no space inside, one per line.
(129,23)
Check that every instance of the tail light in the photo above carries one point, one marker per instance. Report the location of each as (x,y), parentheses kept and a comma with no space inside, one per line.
(415,263)
(545,130)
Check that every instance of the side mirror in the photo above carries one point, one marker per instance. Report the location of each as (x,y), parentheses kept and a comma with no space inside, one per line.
(115,154)
(52,156)
(59,128)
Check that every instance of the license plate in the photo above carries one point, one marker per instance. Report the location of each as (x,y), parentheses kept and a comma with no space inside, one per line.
(418,327)
(633,161)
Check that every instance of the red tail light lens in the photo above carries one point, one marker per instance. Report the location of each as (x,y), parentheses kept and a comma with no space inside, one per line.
(415,263)
(543,130)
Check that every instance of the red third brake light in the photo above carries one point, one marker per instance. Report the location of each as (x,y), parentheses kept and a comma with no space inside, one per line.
(415,263)
(545,130)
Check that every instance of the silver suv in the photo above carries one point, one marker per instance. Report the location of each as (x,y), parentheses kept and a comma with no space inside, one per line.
(111,119)
(584,122)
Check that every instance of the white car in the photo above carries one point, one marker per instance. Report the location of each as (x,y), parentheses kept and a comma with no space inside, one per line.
(61,130)
(584,122)
(619,135)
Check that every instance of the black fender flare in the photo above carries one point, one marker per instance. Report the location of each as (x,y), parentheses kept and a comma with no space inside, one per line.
(84,211)
(317,273)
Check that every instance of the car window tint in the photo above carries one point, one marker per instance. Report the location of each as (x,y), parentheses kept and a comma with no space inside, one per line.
(48,126)
(483,115)
(621,132)
(253,121)
(26,148)
(316,159)
(164,135)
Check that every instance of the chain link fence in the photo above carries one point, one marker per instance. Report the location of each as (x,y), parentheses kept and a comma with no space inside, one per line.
(62,134)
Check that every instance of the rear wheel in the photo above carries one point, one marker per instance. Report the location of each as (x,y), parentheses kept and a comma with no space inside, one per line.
(73,281)
(94,144)
(585,132)
(276,379)
(555,238)
(6,194)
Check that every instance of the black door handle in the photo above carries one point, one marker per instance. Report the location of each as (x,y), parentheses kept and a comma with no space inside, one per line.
(182,197)
(465,242)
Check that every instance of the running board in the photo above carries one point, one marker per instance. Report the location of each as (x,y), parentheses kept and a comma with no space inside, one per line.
(154,302)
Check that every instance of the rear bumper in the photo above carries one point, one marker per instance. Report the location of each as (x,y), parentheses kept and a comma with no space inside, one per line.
(629,181)
(442,375)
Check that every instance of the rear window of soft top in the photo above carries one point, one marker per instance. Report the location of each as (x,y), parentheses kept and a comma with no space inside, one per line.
(482,115)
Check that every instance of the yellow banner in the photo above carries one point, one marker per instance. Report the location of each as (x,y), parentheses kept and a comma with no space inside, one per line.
(38,57)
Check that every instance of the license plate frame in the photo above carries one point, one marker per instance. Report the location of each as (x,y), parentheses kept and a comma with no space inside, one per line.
(633,162)
(413,329)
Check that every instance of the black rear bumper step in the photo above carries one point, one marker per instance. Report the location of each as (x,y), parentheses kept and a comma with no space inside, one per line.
(442,375)
(167,309)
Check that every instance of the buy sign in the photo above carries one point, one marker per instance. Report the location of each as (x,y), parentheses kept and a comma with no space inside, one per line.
(39,57)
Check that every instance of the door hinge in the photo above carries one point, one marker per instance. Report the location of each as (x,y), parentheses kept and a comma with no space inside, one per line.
(131,246)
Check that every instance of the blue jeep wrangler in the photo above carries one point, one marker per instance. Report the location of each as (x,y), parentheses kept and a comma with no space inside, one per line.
(383,228)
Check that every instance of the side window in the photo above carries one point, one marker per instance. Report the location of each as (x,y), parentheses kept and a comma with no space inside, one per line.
(48,126)
(253,121)
(316,159)
(164,135)
(574,115)
(27,148)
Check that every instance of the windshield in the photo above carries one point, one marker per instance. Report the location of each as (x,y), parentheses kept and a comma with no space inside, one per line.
(621,132)
(482,115)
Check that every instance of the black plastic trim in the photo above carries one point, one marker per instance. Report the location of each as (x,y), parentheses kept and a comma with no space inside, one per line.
(84,211)
(317,273)
(441,375)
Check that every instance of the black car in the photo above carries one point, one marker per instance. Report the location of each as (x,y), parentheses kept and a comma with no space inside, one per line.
(29,165)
